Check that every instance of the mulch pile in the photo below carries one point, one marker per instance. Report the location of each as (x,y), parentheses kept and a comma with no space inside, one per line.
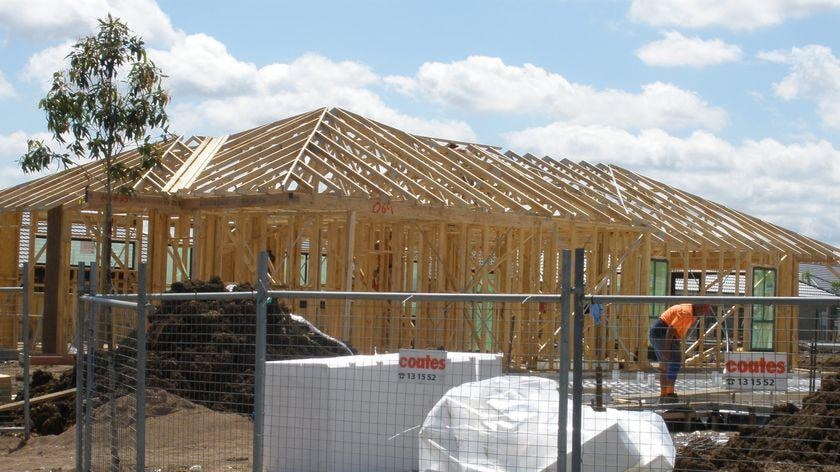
(200,350)
(793,440)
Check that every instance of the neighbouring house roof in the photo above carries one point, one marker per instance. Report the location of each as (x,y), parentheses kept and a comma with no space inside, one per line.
(821,277)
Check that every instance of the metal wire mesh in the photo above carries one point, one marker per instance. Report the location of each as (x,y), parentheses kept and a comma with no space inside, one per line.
(112,393)
(11,366)
(727,406)
(377,381)
(383,409)
(200,384)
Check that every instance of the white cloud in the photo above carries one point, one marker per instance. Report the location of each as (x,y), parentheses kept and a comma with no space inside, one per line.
(676,50)
(736,15)
(12,147)
(214,92)
(763,178)
(483,84)
(6,89)
(814,75)
(200,64)
(311,81)
(41,66)
(41,20)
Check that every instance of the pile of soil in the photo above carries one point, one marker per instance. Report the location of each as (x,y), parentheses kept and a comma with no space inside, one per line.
(793,440)
(203,350)
(200,350)
(55,416)
(49,417)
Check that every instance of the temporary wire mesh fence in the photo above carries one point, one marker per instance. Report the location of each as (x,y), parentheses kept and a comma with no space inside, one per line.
(16,328)
(391,406)
(393,382)
(200,383)
(727,405)
(11,345)
(111,390)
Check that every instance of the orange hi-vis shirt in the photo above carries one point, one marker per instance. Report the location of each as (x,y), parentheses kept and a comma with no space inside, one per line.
(679,317)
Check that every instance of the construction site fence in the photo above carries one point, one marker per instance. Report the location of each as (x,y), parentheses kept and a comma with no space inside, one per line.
(16,326)
(238,381)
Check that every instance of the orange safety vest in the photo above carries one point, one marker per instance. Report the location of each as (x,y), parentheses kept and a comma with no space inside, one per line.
(679,317)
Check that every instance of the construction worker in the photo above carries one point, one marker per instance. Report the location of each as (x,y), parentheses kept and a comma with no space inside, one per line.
(665,336)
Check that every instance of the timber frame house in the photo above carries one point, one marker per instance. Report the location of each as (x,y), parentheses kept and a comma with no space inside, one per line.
(346,203)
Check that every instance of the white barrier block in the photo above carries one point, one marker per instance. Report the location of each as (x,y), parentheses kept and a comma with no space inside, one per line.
(351,413)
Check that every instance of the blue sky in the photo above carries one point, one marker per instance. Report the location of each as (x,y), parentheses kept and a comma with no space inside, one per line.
(738,102)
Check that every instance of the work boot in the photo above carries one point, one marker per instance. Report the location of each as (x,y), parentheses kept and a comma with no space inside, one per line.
(669,398)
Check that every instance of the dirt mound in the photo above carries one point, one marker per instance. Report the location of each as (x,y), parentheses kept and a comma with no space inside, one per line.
(57,415)
(161,403)
(793,440)
(829,361)
(203,350)
(199,351)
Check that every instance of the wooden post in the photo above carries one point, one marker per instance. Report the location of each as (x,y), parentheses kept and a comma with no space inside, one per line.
(349,247)
(55,272)
(644,289)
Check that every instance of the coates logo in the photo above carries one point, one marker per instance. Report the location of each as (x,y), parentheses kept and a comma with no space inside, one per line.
(427,362)
(759,366)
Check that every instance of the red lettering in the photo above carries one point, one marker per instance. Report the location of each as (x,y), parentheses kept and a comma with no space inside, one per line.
(760,366)
(422,363)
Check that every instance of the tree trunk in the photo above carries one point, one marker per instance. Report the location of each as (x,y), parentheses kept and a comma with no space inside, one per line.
(105,283)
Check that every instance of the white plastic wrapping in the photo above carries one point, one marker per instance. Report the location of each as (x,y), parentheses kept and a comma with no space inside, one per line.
(508,424)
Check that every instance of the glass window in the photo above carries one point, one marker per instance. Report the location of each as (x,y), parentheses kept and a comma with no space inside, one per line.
(763,316)
(659,284)
(84,250)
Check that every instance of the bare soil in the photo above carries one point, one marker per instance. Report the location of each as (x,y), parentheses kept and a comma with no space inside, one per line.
(793,440)
(179,435)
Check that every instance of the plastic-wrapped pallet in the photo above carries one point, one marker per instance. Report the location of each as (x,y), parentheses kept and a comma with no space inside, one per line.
(353,413)
(509,424)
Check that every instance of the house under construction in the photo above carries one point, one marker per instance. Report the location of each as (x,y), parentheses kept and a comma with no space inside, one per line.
(346,203)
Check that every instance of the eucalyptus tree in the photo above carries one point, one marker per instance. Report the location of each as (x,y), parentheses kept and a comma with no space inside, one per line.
(109,100)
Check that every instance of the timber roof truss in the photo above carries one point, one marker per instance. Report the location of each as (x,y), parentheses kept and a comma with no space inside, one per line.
(340,153)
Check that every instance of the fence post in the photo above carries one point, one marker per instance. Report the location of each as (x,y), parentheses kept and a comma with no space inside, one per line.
(91,347)
(27,421)
(80,333)
(259,360)
(565,308)
(111,356)
(140,409)
(577,379)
